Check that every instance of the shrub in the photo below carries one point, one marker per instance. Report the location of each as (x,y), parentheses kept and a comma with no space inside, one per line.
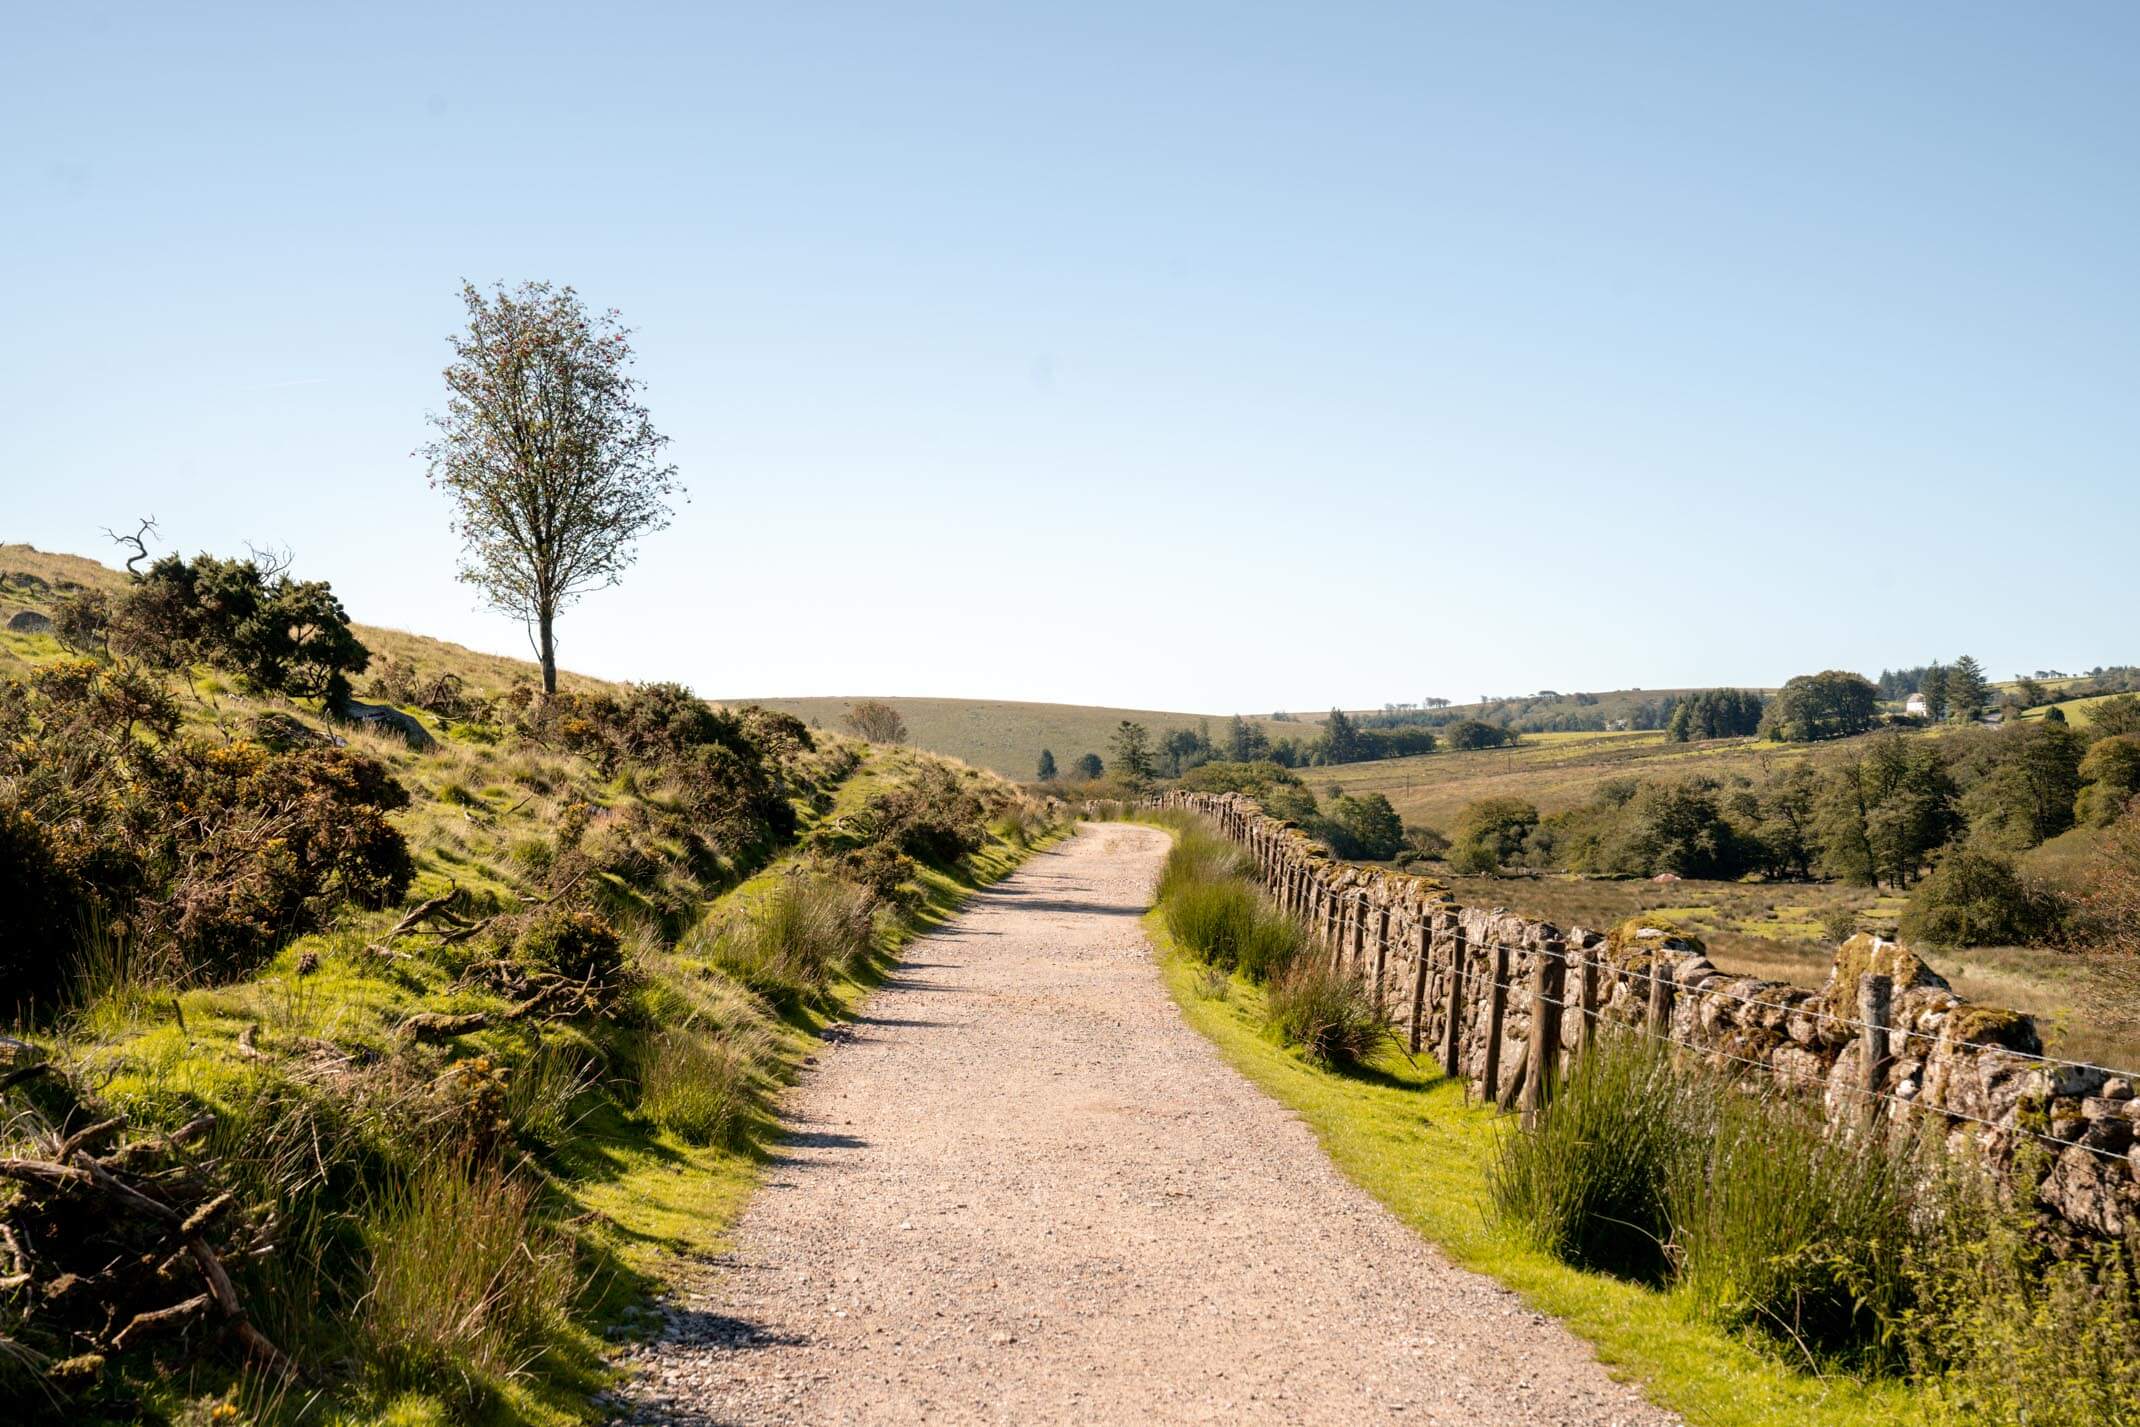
(574,942)
(467,1284)
(1587,1185)
(1328,1014)
(1490,833)
(285,636)
(81,619)
(695,1085)
(41,908)
(886,871)
(876,721)
(2002,1331)
(1367,827)
(1975,898)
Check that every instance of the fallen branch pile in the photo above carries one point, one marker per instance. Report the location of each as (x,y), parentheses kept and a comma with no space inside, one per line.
(108,1243)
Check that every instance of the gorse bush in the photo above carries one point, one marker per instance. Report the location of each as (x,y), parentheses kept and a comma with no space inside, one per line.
(1327,1013)
(1588,1184)
(284,636)
(214,853)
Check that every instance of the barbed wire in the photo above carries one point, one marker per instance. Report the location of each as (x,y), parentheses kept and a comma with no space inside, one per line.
(1828,1011)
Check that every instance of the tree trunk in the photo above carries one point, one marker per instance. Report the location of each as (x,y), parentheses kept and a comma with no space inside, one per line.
(544,620)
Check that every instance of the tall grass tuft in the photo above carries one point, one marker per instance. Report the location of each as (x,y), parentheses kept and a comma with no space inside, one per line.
(1784,1224)
(788,943)
(1199,857)
(468,1285)
(1588,1184)
(1328,1014)
(695,1085)
(1228,924)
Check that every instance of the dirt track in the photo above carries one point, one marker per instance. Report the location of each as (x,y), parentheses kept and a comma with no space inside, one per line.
(1020,1191)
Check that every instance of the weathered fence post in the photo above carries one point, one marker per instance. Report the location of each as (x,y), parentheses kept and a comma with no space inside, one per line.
(1660,1017)
(1419,978)
(1547,979)
(1876,997)
(1382,953)
(1496,1012)
(1587,999)
(1453,1019)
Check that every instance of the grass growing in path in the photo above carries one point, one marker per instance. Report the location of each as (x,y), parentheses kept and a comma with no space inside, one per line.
(1406,1135)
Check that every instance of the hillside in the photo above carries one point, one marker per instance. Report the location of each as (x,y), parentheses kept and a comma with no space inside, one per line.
(456,1050)
(1006,737)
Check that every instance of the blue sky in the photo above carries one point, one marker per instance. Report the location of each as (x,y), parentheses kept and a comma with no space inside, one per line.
(1185,356)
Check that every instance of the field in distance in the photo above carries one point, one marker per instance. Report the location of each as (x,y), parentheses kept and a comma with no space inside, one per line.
(1006,737)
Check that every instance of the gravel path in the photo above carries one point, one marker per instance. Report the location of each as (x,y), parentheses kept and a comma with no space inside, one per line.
(1019,1190)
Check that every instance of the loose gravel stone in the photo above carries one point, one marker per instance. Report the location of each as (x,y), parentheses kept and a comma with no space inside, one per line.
(1018,1190)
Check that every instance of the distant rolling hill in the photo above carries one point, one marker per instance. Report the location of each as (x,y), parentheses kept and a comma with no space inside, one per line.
(1007,737)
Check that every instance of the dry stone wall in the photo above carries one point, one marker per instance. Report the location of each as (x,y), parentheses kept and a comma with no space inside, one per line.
(1885,1040)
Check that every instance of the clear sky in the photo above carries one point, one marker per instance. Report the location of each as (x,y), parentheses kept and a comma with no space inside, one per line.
(1184,356)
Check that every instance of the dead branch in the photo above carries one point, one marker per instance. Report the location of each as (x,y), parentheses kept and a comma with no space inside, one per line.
(88,1134)
(439,1025)
(15,1077)
(158,1320)
(137,540)
(198,1219)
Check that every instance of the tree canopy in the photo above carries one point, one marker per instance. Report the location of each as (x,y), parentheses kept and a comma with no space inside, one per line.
(550,459)
(1833,704)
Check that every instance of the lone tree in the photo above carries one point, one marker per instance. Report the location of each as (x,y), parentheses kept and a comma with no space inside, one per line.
(877,721)
(1089,767)
(553,464)
(1047,765)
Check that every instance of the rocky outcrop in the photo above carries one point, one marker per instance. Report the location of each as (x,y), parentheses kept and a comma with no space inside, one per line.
(388,719)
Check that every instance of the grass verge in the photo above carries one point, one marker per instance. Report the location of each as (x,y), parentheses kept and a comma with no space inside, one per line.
(1405,1134)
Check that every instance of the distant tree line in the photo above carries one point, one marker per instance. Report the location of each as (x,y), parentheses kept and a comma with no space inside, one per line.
(1715,713)
(1895,811)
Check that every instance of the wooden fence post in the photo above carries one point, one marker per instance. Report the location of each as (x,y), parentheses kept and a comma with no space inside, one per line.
(1453,1018)
(1876,997)
(1547,980)
(1496,1012)
(1382,953)
(1424,960)
(1587,999)
(1660,1018)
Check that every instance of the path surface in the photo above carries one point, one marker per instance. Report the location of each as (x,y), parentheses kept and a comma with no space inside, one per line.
(1021,1191)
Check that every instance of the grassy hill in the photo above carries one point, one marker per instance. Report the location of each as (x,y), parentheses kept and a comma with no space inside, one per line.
(463,1133)
(1551,770)
(1006,737)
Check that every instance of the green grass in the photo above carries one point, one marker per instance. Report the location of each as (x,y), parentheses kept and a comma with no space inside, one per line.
(1407,1136)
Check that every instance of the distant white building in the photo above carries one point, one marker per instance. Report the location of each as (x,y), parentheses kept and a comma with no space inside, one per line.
(1916,707)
